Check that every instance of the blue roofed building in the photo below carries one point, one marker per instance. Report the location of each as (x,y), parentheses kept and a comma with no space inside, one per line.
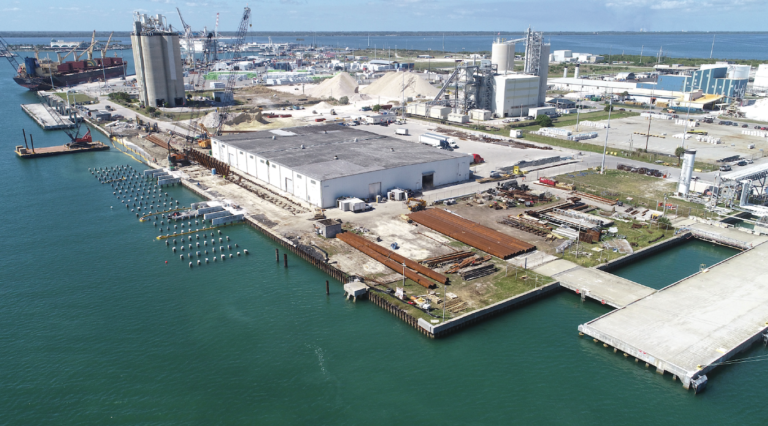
(729,81)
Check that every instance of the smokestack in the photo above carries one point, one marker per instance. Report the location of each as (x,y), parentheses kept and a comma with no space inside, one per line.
(565,72)
(576,73)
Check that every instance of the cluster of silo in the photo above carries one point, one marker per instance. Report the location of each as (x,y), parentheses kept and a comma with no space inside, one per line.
(157,55)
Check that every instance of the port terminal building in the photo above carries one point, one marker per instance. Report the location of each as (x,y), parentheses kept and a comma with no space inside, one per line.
(321,164)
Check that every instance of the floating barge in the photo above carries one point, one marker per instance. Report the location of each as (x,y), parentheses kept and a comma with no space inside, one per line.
(50,151)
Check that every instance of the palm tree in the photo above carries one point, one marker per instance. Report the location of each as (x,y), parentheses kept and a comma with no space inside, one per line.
(679,151)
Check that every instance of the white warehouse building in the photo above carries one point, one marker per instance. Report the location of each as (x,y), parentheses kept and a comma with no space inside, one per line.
(319,164)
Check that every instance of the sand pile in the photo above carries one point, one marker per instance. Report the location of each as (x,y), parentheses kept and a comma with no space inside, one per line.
(342,84)
(758,111)
(211,120)
(323,105)
(359,97)
(391,85)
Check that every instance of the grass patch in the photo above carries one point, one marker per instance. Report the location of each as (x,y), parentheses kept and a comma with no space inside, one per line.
(644,191)
(76,97)
(641,237)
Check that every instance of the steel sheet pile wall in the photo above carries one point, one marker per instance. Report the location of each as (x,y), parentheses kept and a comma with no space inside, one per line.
(468,232)
(385,260)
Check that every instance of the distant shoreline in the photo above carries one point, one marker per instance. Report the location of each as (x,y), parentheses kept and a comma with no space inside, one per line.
(377,33)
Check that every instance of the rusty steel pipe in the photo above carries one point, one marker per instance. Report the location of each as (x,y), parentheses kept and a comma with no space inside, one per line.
(423,270)
(389,263)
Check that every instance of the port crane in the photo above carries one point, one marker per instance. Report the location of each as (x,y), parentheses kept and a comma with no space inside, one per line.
(188,39)
(229,90)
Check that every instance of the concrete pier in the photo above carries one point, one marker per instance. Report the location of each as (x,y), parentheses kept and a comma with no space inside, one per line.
(690,327)
(45,118)
(602,287)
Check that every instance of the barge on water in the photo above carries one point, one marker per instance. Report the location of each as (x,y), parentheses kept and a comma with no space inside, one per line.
(50,151)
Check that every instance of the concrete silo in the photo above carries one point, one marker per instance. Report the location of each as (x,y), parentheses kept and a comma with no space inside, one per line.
(503,56)
(157,57)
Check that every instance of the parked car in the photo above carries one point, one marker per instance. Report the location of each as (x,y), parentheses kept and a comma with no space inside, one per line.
(741,163)
(744,126)
(735,124)
(725,168)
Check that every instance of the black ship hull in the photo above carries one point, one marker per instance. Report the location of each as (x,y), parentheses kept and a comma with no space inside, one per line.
(69,79)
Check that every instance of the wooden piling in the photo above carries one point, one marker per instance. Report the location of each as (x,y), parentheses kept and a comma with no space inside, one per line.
(285,259)
(277,255)
(327,288)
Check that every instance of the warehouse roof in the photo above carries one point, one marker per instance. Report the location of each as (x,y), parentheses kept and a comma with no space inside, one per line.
(310,150)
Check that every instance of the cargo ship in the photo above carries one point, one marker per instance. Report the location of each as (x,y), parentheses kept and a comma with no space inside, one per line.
(45,74)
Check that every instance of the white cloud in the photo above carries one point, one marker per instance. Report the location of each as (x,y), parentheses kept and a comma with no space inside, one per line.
(11,9)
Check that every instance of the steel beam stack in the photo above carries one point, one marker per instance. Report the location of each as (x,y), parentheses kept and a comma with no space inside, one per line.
(474,234)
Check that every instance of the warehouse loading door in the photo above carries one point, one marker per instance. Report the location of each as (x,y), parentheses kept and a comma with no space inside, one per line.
(374,189)
(232,160)
(427,181)
(289,185)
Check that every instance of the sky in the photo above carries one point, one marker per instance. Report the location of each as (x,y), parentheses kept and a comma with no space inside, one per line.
(396,15)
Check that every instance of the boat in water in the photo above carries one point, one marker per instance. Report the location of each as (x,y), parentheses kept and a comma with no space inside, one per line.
(46,74)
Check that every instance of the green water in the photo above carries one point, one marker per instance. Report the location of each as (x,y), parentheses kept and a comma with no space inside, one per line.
(674,264)
(98,330)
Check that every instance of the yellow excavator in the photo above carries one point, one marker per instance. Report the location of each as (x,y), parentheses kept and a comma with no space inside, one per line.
(418,204)
(205,141)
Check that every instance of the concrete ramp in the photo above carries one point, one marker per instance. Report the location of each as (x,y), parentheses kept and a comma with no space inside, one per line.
(603,287)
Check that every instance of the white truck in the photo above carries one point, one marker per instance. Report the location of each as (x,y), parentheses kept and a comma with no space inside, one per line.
(403,132)
(432,139)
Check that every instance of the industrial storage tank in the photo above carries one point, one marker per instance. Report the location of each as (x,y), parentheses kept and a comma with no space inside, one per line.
(503,56)
(686,172)
(157,55)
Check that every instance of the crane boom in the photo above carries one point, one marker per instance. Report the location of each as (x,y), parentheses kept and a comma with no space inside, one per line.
(106,46)
(239,40)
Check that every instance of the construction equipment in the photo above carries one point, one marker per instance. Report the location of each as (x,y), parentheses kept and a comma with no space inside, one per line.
(236,52)
(106,46)
(188,40)
(319,213)
(205,141)
(418,205)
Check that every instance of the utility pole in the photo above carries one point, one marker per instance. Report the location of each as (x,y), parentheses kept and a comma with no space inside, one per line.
(607,130)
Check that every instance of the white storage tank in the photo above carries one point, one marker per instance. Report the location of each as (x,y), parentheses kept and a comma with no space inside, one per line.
(503,56)
(686,172)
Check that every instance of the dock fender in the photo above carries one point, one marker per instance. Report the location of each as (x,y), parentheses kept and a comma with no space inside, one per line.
(699,383)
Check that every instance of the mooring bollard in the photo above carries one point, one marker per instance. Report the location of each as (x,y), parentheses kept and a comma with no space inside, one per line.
(277,255)
(285,259)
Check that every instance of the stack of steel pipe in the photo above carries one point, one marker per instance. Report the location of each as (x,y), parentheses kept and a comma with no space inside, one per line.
(468,232)
(439,260)
(386,261)
(423,270)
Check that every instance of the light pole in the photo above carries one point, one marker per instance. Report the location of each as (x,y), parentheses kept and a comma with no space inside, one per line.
(607,130)
(403,275)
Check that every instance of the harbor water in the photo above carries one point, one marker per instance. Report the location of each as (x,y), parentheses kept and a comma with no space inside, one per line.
(672,265)
(97,329)
(674,45)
